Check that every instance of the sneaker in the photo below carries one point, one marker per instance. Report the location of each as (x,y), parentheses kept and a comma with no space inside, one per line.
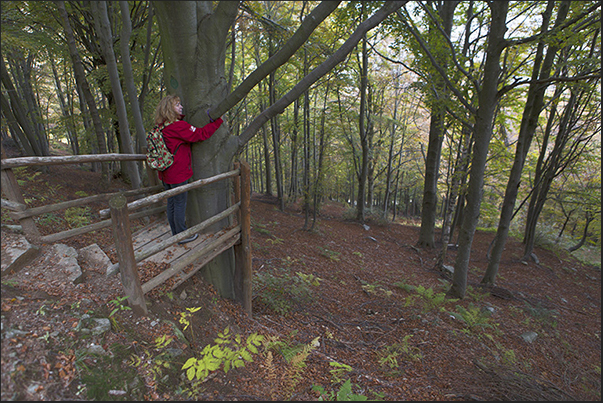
(189,239)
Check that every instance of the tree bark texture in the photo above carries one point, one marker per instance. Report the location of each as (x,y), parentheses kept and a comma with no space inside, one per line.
(488,100)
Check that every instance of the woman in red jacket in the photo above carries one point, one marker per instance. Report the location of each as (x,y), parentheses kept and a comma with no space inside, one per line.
(178,136)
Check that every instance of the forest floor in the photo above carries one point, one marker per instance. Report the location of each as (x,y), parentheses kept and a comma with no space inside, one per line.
(346,311)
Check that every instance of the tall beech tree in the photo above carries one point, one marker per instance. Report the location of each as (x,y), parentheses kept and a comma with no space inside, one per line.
(194,38)
(534,105)
(82,82)
(488,100)
(103,29)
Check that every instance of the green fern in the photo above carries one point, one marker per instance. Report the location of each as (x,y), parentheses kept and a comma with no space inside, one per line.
(473,317)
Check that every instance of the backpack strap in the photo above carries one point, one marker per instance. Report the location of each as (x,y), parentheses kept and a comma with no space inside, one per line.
(161,127)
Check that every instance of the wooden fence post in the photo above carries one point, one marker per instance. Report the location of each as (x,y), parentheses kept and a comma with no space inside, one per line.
(125,254)
(243,272)
(11,188)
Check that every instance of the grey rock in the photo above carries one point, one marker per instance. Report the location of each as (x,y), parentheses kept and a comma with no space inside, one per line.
(67,260)
(529,337)
(93,255)
(103,325)
(17,252)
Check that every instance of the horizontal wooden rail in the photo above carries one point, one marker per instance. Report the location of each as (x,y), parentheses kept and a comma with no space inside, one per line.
(172,192)
(69,159)
(35,211)
(59,236)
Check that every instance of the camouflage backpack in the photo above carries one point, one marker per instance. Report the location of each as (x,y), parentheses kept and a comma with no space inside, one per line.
(159,156)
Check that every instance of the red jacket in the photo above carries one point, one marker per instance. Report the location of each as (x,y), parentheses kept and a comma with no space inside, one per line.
(178,137)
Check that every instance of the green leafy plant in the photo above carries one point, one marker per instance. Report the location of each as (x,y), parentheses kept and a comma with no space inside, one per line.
(432,300)
(48,219)
(42,310)
(118,302)
(406,287)
(311,279)
(282,292)
(77,216)
(541,313)
(375,288)
(297,364)
(228,352)
(474,317)
(389,355)
(345,393)
(275,240)
(10,283)
(477,295)
(329,254)
(185,316)
(339,370)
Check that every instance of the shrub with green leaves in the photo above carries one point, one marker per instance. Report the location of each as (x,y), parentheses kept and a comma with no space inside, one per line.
(430,299)
(228,352)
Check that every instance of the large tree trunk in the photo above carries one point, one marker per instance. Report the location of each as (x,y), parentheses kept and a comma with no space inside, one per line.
(19,115)
(529,123)
(126,32)
(194,36)
(488,99)
(15,128)
(436,135)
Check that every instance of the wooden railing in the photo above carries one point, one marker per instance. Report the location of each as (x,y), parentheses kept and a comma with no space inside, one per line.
(237,237)
(121,213)
(24,214)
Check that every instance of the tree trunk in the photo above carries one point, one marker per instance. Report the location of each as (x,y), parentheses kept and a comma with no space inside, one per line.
(80,77)
(589,218)
(362,131)
(436,135)
(529,123)
(18,113)
(69,124)
(276,141)
(103,27)
(193,36)
(124,41)
(459,176)
(15,128)
(488,100)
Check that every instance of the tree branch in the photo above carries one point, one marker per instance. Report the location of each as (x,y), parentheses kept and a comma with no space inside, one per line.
(304,31)
(337,57)
(435,64)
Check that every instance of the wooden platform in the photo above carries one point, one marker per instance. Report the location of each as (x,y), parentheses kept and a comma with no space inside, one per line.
(179,257)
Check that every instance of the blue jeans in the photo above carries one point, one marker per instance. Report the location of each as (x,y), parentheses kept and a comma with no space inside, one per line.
(176,209)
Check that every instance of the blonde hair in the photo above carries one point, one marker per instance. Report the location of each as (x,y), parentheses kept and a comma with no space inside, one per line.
(165,112)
